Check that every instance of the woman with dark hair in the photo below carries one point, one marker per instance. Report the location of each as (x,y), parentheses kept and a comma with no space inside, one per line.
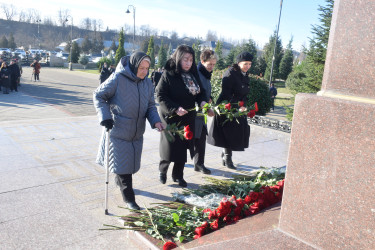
(123,103)
(104,73)
(233,135)
(5,74)
(178,90)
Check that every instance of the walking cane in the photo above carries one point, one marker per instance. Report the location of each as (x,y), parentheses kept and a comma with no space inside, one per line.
(106,170)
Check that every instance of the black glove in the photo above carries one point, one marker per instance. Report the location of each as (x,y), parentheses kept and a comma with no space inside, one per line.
(108,124)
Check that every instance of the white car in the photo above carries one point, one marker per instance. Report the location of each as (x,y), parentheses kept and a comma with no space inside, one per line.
(62,55)
(19,52)
(5,51)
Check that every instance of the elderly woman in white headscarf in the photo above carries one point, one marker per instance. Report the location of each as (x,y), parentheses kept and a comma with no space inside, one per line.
(123,103)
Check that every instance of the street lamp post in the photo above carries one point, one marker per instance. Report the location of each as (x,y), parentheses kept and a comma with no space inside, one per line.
(274,49)
(71,41)
(38,22)
(127,11)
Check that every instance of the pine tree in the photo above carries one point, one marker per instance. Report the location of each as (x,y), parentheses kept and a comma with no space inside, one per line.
(251,47)
(219,52)
(4,42)
(86,45)
(268,55)
(162,56)
(11,42)
(120,52)
(75,53)
(286,64)
(196,47)
(151,51)
(113,46)
(144,46)
(169,51)
(231,57)
(308,76)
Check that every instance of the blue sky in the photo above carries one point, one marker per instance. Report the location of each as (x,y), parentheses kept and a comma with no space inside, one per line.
(238,20)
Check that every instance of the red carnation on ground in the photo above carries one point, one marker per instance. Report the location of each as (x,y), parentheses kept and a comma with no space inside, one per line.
(199,232)
(256,107)
(169,245)
(241,103)
(251,114)
(224,208)
(227,106)
(254,209)
(215,224)
(188,135)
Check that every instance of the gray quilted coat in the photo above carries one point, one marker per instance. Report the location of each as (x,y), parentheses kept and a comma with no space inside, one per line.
(127,100)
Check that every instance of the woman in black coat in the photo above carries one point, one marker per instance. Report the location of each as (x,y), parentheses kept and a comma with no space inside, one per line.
(104,73)
(233,135)
(5,74)
(177,92)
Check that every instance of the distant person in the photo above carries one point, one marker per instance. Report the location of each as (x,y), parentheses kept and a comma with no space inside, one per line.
(155,76)
(5,74)
(273,94)
(104,73)
(206,65)
(123,103)
(112,69)
(36,69)
(21,71)
(15,75)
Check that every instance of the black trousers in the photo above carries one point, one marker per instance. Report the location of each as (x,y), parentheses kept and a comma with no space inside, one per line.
(125,182)
(200,147)
(36,77)
(178,168)
(13,85)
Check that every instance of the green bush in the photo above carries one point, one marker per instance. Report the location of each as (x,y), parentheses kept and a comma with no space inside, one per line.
(259,91)
(83,60)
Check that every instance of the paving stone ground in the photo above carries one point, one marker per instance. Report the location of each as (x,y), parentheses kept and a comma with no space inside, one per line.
(51,189)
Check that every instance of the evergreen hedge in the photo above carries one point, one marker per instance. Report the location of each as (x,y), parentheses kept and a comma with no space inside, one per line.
(259,91)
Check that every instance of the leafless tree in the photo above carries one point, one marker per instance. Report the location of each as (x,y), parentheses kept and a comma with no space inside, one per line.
(36,16)
(86,23)
(9,11)
(21,16)
(174,35)
(164,33)
(94,24)
(100,24)
(127,28)
(211,36)
(49,21)
(62,16)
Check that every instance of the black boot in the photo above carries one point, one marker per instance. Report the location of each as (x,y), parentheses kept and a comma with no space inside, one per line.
(227,158)
(181,182)
(201,168)
(162,178)
(132,205)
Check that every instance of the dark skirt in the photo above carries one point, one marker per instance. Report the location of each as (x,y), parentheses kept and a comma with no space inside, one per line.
(231,134)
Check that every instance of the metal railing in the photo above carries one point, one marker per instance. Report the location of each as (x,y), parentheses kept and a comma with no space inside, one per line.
(272,123)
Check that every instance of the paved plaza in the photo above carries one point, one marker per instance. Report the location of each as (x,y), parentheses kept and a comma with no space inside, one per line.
(51,189)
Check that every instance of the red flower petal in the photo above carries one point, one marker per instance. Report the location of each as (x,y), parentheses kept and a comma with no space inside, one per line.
(187,128)
(169,245)
(188,135)
(256,107)
(251,114)
(227,106)
(241,103)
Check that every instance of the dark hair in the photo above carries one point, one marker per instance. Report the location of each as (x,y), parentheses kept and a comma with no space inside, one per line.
(178,55)
(207,55)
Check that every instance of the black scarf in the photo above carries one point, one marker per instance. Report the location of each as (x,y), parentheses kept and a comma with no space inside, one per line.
(204,71)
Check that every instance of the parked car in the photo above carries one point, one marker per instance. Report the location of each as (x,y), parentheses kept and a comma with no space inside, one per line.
(5,52)
(19,52)
(95,57)
(62,55)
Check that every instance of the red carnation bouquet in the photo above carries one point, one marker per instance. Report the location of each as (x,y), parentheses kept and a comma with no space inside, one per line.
(234,110)
(183,132)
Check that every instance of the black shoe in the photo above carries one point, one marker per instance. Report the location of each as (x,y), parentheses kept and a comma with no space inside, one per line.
(202,168)
(181,182)
(132,205)
(162,178)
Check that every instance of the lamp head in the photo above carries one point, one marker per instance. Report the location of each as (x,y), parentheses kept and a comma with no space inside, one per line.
(127,11)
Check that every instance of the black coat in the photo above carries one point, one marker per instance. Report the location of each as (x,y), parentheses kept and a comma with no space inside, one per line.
(5,72)
(171,94)
(104,74)
(232,135)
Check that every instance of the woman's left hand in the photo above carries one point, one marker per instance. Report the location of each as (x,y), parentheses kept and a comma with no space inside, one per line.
(159,126)
(243,109)
(210,113)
